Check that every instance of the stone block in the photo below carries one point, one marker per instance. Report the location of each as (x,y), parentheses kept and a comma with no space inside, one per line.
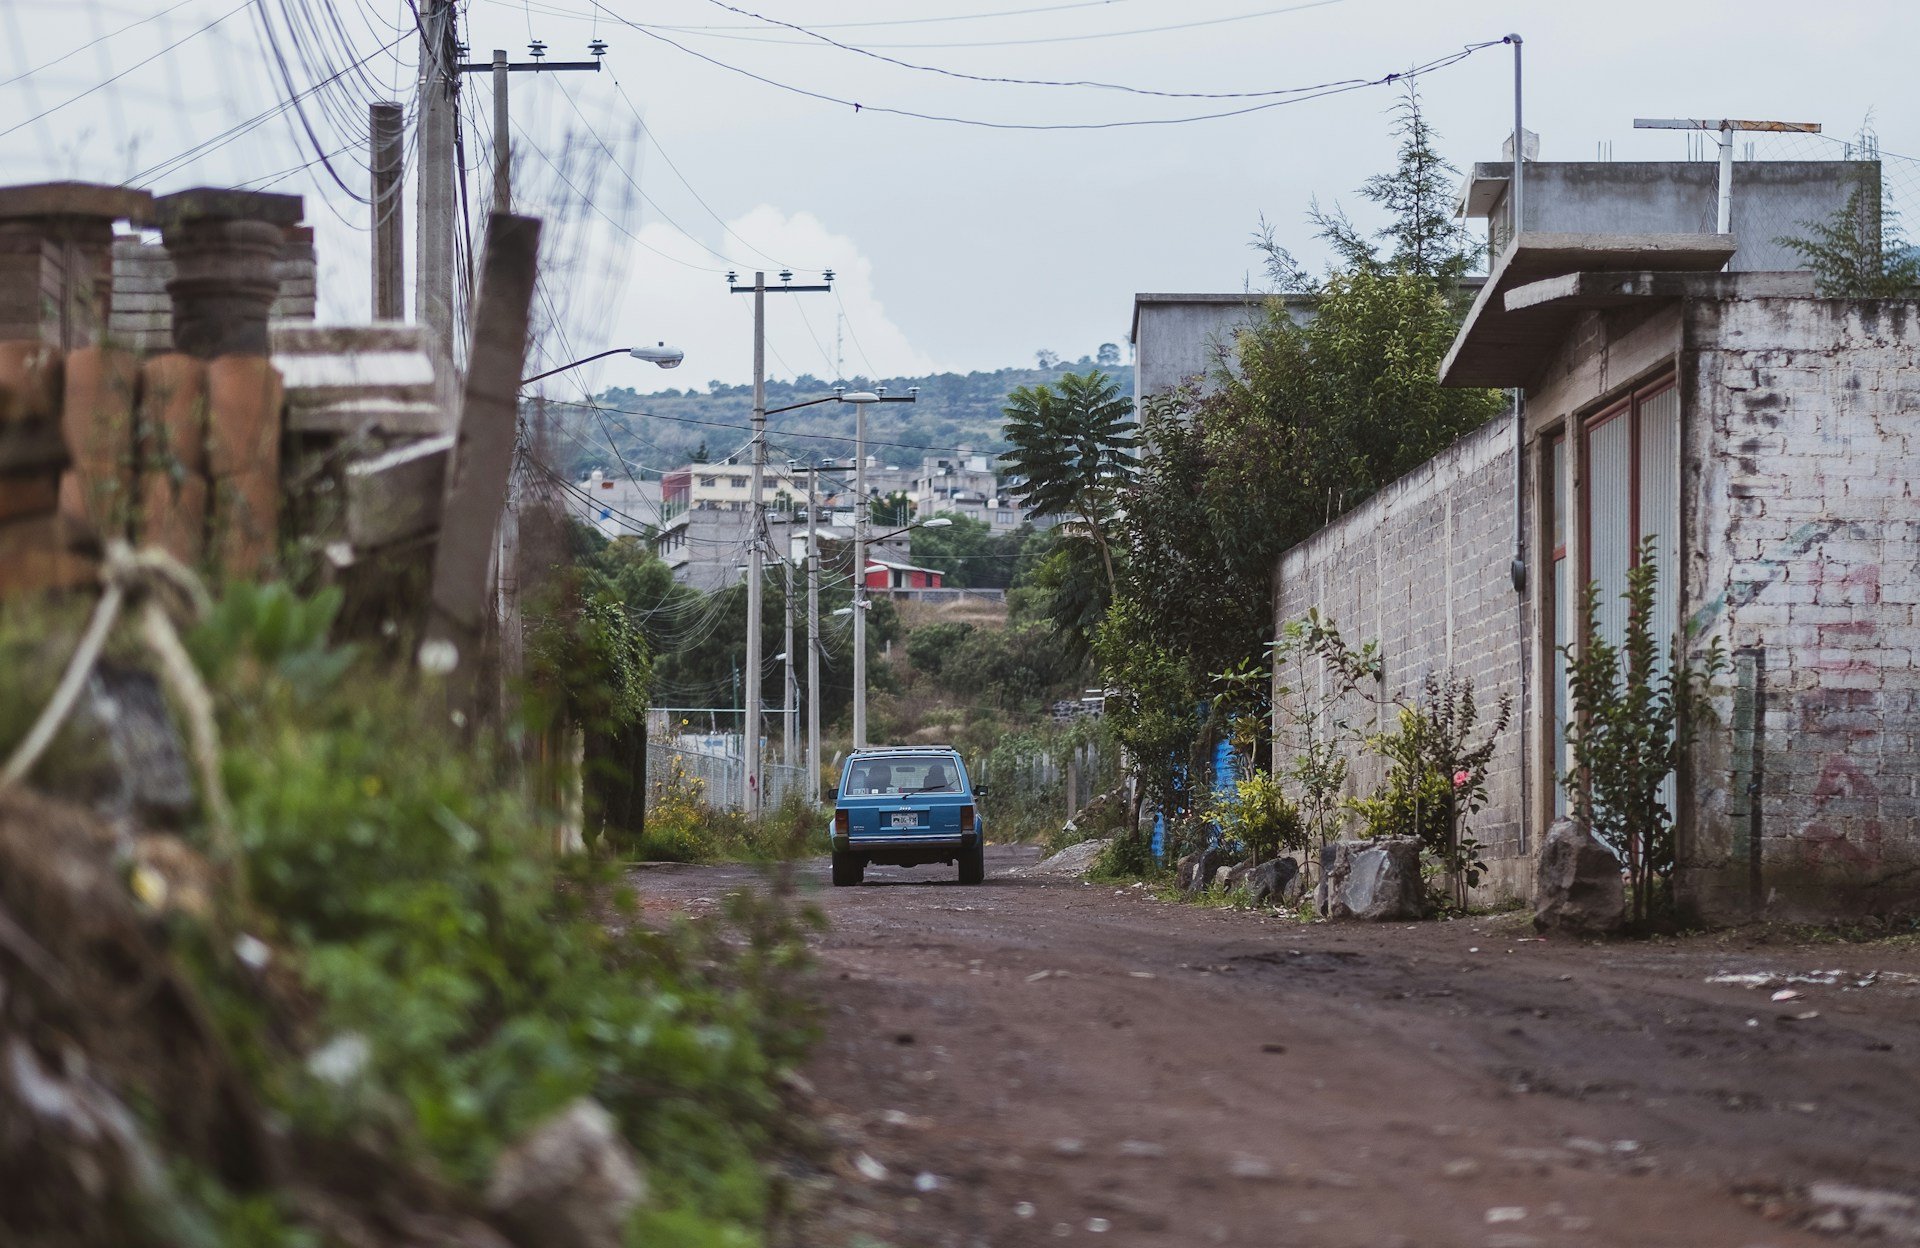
(41,553)
(97,421)
(244,399)
(1375,880)
(1578,888)
(31,381)
(173,456)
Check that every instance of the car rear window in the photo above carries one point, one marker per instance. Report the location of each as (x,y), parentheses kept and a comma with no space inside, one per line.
(902,774)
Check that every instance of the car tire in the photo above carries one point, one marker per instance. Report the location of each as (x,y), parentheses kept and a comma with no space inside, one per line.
(973,864)
(848,869)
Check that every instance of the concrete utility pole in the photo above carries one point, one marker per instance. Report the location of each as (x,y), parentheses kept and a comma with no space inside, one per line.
(439,92)
(500,67)
(1725,129)
(861,512)
(751,786)
(791,707)
(386,128)
(862,507)
(813,636)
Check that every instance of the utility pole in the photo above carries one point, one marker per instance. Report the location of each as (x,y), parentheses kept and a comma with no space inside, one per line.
(439,88)
(790,707)
(750,782)
(862,510)
(813,636)
(385,127)
(500,67)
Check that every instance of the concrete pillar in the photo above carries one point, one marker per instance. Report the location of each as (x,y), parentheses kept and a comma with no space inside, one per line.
(66,428)
(56,259)
(227,248)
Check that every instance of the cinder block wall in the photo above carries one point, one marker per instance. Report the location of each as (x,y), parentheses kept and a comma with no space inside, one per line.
(1802,455)
(1422,567)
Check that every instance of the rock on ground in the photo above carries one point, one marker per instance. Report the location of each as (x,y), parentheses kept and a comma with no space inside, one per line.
(1373,880)
(1197,870)
(1577,885)
(1069,864)
(1267,883)
(572,1182)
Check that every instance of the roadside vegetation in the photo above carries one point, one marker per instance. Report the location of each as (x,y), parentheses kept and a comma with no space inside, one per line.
(395,971)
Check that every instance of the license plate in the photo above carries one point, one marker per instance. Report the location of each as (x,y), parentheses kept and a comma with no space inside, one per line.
(906,819)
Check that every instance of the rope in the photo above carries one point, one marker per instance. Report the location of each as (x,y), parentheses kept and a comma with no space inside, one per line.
(168,592)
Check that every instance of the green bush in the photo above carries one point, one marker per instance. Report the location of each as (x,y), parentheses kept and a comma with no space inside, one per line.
(1259,815)
(411,887)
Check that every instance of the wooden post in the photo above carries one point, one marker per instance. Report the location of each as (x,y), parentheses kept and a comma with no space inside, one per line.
(458,612)
(386,124)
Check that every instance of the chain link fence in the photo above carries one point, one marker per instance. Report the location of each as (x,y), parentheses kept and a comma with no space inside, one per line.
(719,776)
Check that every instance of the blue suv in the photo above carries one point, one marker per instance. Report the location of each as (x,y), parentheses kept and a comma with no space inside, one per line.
(905,807)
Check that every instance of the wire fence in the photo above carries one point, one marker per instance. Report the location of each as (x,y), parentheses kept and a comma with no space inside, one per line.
(720,776)
(1767,219)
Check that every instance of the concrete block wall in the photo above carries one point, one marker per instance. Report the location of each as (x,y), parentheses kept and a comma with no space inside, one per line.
(1803,537)
(1422,568)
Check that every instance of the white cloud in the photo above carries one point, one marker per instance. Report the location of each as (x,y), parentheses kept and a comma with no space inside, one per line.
(672,294)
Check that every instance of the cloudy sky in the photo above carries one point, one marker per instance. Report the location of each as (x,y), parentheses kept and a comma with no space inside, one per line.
(958,244)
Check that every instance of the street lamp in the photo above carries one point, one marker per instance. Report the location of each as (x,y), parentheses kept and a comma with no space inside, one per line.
(659,354)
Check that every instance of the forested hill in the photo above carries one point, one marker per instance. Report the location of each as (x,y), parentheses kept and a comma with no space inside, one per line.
(670,427)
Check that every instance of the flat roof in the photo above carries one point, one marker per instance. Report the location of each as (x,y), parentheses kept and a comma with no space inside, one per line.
(1500,345)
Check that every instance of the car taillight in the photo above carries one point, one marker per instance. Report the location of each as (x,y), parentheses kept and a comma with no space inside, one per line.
(966,818)
(842,822)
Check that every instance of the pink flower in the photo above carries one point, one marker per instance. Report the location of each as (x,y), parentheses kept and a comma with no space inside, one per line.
(1460,779)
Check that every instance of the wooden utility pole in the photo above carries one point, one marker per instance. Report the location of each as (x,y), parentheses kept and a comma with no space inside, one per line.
(483,455)
(388,160)
(439,102)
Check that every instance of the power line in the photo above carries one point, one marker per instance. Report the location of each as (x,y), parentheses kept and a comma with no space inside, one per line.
(1049,82)
(952,17)
(786,433)
(859,107)
(95,42)
(105,82)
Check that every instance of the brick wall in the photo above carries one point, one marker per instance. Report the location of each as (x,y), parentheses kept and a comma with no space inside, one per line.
(1802,449)
(1422,567)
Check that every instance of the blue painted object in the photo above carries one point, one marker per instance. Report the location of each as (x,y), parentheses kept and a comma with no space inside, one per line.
(906,807)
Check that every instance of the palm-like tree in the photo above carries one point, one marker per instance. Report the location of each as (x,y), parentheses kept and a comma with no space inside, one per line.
(1073,451)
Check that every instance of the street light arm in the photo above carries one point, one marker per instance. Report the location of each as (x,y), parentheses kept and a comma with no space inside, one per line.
(527,381)
(772,411)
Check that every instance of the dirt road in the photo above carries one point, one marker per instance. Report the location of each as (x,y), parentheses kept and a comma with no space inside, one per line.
(1034,1062)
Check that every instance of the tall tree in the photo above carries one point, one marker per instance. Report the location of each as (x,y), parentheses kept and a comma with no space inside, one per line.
(1304,423)
(1422,236)
(1073,452)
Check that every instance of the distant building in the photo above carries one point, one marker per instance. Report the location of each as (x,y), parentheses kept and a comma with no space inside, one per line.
(615,506)
(965,484)
(885,574)
(1182,338)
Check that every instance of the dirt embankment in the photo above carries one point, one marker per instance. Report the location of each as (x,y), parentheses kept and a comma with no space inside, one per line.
(1030,1061)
